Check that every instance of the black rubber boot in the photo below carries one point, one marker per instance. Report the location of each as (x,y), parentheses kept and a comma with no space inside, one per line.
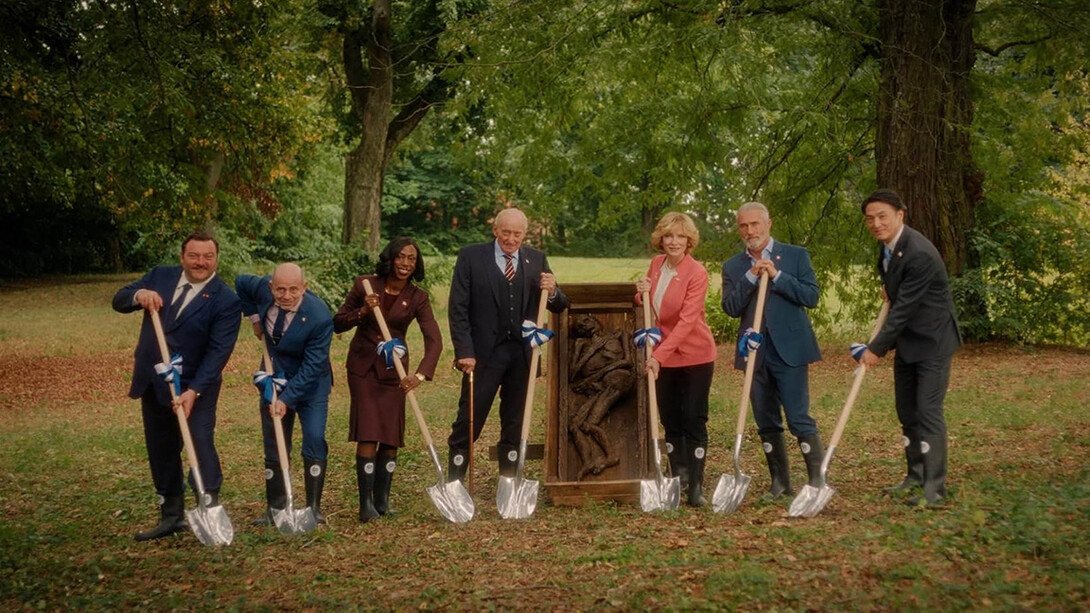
(171,519)
(812,453)
(276,496)
(314,481)
(933,450)
(508,458)
(365,478)
(778,468)
(458,461)
(914,477)
(696,452)
(679,465)
(383,478)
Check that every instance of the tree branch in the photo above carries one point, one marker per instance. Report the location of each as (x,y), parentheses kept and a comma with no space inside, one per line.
(438,90)
(995,51)
(355,74)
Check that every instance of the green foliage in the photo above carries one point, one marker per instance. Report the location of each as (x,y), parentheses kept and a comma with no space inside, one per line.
(145,115)
(330,275)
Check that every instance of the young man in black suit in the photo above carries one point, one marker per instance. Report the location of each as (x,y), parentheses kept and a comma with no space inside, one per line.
(922,327)
(496,286)
(200,316)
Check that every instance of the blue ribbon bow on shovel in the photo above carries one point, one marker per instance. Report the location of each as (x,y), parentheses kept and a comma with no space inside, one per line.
(643,336)
(266,382)
(172,372)
(750,341)
(857,350)
(388,349)
(537,336)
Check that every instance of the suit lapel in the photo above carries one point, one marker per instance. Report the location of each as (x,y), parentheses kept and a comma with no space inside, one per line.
(496,278)
(524,268)
(199,301)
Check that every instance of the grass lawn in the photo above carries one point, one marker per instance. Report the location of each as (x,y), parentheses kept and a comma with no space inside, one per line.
(75,486)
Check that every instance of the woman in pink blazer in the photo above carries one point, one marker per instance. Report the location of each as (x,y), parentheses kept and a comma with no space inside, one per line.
(683,363)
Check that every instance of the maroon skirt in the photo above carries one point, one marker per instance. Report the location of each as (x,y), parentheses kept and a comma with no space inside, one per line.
(377,411)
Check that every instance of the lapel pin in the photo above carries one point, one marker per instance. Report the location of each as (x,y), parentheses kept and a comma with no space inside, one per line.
(404,303)
(304,320)
(900,254)
(205,296)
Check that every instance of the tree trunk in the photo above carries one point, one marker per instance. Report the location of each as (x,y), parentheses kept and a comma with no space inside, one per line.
(924,118)
(372,98)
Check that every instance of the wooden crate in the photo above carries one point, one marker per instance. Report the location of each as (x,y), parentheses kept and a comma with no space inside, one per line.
(626,425)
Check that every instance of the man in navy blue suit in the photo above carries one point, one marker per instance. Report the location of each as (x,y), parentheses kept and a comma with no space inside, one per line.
(200,316)
(922,326)
(496,286)
(298,328)
(781,375)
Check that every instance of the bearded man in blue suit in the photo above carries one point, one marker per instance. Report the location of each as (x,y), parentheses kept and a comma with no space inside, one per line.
(297,328)
(200,316)
(781,375)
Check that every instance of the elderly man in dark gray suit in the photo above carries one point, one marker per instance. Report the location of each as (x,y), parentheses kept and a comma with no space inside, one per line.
(496,285)
(781,376)
(922,327)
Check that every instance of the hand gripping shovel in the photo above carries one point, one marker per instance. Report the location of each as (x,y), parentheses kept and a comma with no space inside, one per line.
(732,488)
(516,497)
(451,499)
(660,493)
(288,520)
(210,524)
(811,500)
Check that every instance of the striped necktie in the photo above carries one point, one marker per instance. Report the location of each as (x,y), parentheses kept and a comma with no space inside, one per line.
(509,267)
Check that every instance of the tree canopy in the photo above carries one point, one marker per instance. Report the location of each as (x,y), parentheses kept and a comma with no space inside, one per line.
(126,123)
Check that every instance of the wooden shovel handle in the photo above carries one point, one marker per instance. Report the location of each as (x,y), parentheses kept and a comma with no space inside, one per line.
(747,384)
(857,382)
(535,358)
(183,423)
(400,369)
(649,349)
(278,426)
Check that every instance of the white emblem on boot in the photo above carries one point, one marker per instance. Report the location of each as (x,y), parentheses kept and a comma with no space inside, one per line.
(512,455)
(699,453)
(208,500)
(767,447)
(268,474)
(315,470)
(458,460)
(369,467)
(905,442)
(390,466)
(805,447)
(924,447)
(160,500)
(669,447)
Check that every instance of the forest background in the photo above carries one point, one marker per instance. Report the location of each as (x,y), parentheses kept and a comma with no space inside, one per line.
(315,130)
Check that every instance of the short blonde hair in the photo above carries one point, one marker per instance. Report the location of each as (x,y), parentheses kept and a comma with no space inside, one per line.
(675,221)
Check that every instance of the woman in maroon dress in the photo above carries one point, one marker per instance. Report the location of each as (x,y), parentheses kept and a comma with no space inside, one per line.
(377,418)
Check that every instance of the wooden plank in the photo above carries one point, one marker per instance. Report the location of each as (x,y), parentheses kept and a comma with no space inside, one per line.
(575,493)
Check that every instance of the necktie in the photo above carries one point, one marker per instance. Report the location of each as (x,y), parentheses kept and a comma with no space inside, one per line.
(278,326)
(176,306)
(509,267)
(887,255)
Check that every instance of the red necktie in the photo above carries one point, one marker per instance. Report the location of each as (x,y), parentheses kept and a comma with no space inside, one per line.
(509,268)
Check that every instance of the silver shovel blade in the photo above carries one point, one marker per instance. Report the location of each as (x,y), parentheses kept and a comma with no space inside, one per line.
(453,501)
(516,498)
(810,501)
(211,525)
(294,521)
(729,493)
(660,494)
